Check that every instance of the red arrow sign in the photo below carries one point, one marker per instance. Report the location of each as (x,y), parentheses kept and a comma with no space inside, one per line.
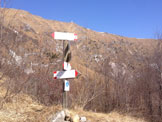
(64,36)
(65,74)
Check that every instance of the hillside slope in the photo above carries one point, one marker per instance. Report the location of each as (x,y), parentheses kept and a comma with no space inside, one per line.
(91,45)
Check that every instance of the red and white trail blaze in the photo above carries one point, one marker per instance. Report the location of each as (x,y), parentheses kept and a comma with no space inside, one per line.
(64,36)
(65,74)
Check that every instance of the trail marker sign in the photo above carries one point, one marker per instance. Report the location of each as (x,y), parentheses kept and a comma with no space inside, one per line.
(66,66)
(66,85)
(65,74)
(64,36)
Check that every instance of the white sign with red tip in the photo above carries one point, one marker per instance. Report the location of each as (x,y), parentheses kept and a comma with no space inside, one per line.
(65,74)
(64,36)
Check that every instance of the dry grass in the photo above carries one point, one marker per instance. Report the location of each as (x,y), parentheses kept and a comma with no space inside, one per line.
(110,117)
(22,108)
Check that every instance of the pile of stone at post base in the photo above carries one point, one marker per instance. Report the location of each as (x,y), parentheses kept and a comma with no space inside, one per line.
(65,116)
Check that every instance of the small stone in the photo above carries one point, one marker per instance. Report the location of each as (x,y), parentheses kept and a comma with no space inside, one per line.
(83,119)
(68,118)
(67,113)
(75,118)
(59,117)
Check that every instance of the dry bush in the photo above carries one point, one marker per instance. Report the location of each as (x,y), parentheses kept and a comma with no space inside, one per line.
(40,84)
(37,83)
(137,90)
(85,91)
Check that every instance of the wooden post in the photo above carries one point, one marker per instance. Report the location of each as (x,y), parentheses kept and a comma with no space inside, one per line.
(64,92)
(63,95)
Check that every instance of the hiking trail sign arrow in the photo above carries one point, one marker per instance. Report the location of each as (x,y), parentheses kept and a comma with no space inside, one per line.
(64,36)
(65,74)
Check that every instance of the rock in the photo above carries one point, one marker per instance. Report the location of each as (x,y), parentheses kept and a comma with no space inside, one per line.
(59,117)
(75,118)
(67,113)
(68,118)
(83,119)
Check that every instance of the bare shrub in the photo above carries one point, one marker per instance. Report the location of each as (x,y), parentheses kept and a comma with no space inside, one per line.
(85,91)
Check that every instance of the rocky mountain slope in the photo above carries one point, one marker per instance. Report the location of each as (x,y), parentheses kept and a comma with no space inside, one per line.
(91,45)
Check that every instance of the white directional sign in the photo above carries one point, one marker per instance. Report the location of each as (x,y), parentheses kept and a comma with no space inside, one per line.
(66,66)
(65,74)
(66,85)
(64,36)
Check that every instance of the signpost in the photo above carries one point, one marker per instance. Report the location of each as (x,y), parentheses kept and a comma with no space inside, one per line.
(67,72)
